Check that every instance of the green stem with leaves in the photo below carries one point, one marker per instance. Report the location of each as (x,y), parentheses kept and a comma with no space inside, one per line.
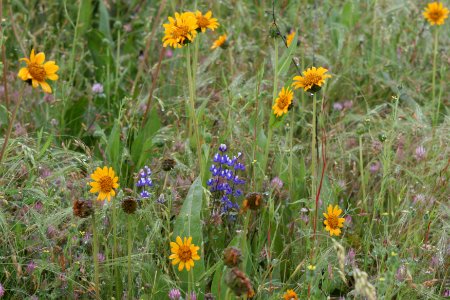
(95,255)
(433,83)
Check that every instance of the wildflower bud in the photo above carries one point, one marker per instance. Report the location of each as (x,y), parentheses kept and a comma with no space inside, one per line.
(168,164)
(117,25)
(239,283)
(315,88)
(129,205)
(232,257)
(273,31)
(360,129)
(82,209)
(252,201)
(382,137)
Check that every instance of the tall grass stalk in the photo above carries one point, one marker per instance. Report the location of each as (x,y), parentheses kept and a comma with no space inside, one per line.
(130,251)
(193,115)
(95,254)
(433,82)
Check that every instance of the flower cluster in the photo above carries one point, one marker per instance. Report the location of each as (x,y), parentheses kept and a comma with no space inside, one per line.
(144,182)
(183,29)
(225,180)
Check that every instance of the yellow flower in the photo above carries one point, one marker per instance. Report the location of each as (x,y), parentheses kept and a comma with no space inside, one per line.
(104,183)
(436,13)
(283,102)
(290,295)
(312,79)
(290,37)
(220,42)
(180,30)
(332,221)
(184,253)
(311,267)
(37,72)
(205,21)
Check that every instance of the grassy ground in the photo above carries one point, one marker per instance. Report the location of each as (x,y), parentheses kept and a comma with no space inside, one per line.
(382,151)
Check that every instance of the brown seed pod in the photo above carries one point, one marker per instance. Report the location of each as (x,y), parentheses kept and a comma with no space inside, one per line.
(168,164)
(239,283)
(252,201)
(129,205)
(82,208)
(232,257)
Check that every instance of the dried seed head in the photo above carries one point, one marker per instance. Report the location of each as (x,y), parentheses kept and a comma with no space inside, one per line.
(232,257)
(252,201)
(129,205)
(82,208)
(362,286)
(168,164)
(239,283)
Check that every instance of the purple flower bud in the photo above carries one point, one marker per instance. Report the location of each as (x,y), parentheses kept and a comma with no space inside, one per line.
(420,153)
(338,106)
(97,88)
(30,267)
(192,296)
(276,183)
(174,294)
(375,167)
(222,148)
(348,104)
(100,257)
(2,290)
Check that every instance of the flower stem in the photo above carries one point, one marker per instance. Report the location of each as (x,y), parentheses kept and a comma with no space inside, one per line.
(95,255)
(130,249)
(11,123)
(193,115)
(275,88)
(114,253)
(361,171)
(433,84)
(291,154)
(313,152)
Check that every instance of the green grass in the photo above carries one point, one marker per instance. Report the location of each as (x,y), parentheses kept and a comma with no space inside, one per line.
(380,55)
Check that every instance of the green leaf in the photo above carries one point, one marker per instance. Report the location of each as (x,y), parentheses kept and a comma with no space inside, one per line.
(143,142)
(286,60)
(103,24)
(188,224)
(113,146)
(73,118)
(85,18)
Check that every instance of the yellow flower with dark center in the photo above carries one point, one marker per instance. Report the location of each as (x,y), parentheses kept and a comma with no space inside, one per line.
(283,102)
(205,21)
(36,71)
(290,37)
(290,295)
(312,79)
(220,42)
(184,253)
(104,183)
(180,30)
(436,13)
(332,221)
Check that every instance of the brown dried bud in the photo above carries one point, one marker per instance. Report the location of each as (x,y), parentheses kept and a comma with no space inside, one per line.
(239,283)
(168,164)
(232,257)
(82,208)
(209,296)
(129,205)
(252,201)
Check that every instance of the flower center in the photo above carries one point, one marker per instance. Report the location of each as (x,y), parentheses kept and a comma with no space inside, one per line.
(184,253)
(106,184)
(333,221)
(283,101)
(313,78)
(202,22)
(37,71)
(180,32)
(435,15)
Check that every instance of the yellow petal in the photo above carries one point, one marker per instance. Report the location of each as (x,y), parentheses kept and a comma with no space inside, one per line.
(23,73)
(181,266)
(34,83)
(175,261)
(46,87)
(179,241)
(53,77)
(50,67)
(32,57)
(188,266)
(40,58)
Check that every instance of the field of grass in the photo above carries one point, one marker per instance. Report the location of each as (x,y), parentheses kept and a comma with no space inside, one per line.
(191,135)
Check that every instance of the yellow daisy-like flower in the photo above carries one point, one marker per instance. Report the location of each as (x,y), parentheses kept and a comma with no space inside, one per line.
(283,102)
(220,42)
(290,37)
(104,183)
(205,21)
(436,13)
(312,79)
(332,221)
(36,71)
(180,30)
(290,295)
(184,253)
